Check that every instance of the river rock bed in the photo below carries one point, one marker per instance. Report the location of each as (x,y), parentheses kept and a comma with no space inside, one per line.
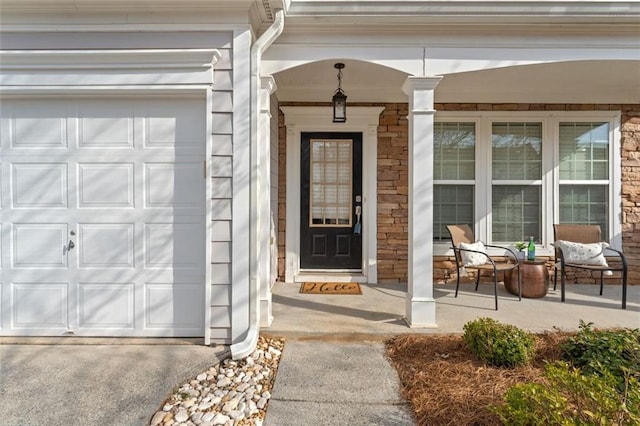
(230,393)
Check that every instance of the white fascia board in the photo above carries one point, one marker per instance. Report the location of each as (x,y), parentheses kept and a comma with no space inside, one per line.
(463,7)
(421,12)
(119,5)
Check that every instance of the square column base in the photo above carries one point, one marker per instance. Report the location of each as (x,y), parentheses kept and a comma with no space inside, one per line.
(421,312)
(266,313)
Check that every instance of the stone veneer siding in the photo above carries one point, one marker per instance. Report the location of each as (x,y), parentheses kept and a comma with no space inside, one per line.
(393,188)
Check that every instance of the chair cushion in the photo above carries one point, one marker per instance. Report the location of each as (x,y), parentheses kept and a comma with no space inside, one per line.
(583,254)
(470,258)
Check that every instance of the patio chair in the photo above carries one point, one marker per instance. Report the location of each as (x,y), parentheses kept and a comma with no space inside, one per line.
(471,254)
(581,247)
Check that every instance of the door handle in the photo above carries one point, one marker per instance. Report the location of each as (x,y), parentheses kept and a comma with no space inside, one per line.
(357,229)
(70,246)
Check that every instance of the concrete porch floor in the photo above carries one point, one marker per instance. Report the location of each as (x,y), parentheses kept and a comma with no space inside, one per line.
(380,311)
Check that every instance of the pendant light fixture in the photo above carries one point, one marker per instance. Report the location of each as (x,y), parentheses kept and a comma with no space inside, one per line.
(339,100)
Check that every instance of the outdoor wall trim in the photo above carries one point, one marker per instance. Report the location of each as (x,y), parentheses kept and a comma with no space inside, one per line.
(166,67)
(267,88)
(208,216)
(110,59)
(249,303)
(300,119)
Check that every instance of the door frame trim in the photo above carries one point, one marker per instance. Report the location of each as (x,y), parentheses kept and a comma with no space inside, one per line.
(299,119)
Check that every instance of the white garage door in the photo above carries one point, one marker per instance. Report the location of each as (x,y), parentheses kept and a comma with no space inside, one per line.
(103,208)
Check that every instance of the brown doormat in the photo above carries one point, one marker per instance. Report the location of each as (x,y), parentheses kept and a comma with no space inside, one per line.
(330,288)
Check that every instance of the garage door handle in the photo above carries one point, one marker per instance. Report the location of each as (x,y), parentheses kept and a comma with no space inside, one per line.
(70,246)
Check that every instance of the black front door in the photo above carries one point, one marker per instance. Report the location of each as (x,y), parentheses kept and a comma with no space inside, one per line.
(331,201)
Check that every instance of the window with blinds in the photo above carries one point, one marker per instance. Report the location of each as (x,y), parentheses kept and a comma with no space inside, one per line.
(512,175)
(331,182)
(584,174)
(516,167)
(454,176)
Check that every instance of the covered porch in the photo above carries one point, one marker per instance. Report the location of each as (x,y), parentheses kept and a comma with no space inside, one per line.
(380,311)
(400,85)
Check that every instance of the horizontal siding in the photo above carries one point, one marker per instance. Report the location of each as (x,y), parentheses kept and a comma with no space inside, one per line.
(221,209)
(220,317)
(222,294)
(220,335)
(222,147)
(222,122)
(221,188)
(221,195)
(222,166)
(223,101)
(221,230)
(220,252)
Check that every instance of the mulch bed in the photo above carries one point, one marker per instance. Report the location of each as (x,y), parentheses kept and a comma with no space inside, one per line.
(446,385)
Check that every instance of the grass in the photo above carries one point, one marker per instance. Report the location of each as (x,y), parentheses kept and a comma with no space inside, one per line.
(446,385)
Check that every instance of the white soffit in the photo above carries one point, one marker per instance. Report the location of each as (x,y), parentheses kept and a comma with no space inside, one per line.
(561,82)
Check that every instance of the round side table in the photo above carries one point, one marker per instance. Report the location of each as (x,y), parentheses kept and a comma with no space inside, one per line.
(534,279)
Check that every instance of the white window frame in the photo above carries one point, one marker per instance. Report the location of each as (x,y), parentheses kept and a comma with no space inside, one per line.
(477,171)
(550,183)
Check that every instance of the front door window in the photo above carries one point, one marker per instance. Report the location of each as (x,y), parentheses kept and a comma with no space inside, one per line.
(331,182)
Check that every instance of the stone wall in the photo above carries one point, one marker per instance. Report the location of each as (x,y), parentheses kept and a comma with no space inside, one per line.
(630,146)
(282,194)
(392,176)
(393,190)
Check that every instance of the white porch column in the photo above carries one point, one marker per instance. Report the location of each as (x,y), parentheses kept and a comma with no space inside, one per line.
(421,306)
(267,87)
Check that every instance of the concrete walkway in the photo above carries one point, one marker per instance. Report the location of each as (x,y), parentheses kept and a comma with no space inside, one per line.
(329,383)
(96,384)
(333,369)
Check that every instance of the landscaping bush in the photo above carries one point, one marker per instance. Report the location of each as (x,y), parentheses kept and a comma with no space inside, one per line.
(594,351)
(500,345)
(571,398)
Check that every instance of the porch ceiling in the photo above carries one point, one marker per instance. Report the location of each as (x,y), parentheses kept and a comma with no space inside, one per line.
(562,82)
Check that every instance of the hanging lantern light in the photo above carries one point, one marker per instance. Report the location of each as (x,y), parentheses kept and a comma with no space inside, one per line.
(339,99)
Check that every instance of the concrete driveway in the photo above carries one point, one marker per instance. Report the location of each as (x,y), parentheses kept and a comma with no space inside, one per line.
(94,384)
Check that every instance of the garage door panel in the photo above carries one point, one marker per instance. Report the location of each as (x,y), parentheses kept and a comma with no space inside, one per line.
(106,124)
(106,245)
(36,124)
(106,306)
(173,245)
(103,185)
(176,125)
(171,305)
(39,245)
(166,184)
(41,185)
(40,305)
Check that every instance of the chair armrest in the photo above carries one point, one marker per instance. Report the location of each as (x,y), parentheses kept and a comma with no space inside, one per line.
(619,253)
(458,249)
(510,250)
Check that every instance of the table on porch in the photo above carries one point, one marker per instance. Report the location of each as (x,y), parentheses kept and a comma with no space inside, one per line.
(534,279)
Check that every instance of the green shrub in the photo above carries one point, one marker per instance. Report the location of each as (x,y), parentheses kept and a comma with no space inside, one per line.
(500,345)
(594,351)
(571,398)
